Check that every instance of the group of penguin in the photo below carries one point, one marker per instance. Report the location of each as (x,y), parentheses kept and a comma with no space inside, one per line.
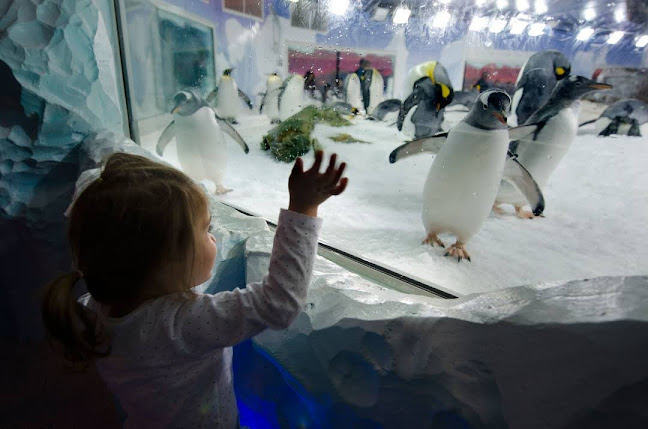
(479,164)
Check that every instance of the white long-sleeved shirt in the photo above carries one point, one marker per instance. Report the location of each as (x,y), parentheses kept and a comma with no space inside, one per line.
(171,360)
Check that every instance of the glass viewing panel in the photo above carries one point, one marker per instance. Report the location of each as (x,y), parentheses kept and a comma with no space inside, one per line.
(396,71)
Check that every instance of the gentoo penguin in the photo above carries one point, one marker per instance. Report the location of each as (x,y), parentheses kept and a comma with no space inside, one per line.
(622,117)
(291,96)
(225,97)
(353,91)
(532,92)
(201,147)
(431,92)
(384,108)
(344,108)
(270,99)
(464,178)
(554,127)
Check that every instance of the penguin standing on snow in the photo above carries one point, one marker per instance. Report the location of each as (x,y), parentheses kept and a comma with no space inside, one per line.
(202,149)
(622,117)
(291,96)
(431,92)
(353,91)
(533,90)
(553,127)
(270,101)
(371,86)
(226,97)
(466,173)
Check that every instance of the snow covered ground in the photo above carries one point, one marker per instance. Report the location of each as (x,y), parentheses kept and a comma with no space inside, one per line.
(595,224)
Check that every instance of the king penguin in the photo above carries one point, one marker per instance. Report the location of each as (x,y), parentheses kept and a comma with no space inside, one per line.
(431,92)
(353,91)
(291,96)
(464,178)
(226,97)
(533,90)
(553,128)
(202,150)
(623,117)
(270,101)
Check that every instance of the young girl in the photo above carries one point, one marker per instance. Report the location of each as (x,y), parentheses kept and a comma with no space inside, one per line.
(140,239)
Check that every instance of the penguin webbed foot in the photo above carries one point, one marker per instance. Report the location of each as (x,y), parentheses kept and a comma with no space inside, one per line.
(459,251)
(221,190)
(432,239)
(524,214)
(498,210)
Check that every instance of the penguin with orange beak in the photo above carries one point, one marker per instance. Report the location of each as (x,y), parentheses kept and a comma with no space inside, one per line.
(431,92)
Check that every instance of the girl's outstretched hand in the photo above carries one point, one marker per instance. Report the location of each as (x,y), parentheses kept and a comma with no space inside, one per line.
(308,189)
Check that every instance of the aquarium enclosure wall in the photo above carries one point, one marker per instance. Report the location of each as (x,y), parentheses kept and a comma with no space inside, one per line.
(486,266)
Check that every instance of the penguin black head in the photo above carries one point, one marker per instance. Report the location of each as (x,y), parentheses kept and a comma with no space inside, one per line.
(490,110)
(228,72)
(561,65)
(574,87)
(186,103)
(439,94)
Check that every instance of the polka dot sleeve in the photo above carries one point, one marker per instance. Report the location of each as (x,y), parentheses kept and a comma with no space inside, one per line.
(227,318)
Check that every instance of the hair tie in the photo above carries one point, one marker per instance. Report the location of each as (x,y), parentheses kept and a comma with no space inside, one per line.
(79,273)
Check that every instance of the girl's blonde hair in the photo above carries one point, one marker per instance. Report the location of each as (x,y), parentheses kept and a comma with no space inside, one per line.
(131,231)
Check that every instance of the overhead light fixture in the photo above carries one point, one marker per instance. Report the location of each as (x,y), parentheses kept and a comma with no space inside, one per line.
(497,25)
(589,14)
(536,29)
(541,7)
(445,1)
(502,4)
(585,34)
(615,37)
(518,26)
(642,41)
(441,19)
(480,3)
(295,1)
(478,23)
(401,15)
(380,14)
(338,7)
(522,5)
(620,13)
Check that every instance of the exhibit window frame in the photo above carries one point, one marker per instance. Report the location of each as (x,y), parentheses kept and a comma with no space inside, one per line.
(243,14)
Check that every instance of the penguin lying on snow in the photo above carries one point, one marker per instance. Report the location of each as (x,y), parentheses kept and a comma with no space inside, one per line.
(225,97)
(270,98)
(431,92)
(554,128)
(464,178)
(202,150)
(622,117)
(532,91)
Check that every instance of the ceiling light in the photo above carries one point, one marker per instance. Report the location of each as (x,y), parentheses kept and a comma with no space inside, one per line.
(501,4)
(589,14)
(445,1)
(620,13)
(518,26)
(441,19)
(522,5)
(497,25)
(615,37)
(536,29)
(401,15)
(541,7)
(585,34)
(643,41)
(380,14)
(478,23)
(338,7)
(480,3)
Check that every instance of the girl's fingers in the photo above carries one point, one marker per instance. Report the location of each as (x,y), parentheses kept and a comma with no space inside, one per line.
(298,167)
(318,161)
(340,187)
(331,166)
(338,173)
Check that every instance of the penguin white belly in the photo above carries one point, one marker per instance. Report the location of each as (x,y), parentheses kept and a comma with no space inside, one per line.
(229,104)
(512,119)
(376,91)
(603,122)
(292,99)
(271,106)
(353,91)
(202,150)
(541,156)
(462,183)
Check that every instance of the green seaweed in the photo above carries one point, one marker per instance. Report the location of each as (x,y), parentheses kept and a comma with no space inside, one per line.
(346,138)
(291,138)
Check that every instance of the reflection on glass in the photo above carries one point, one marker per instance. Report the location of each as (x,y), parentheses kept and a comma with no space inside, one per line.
(365,82)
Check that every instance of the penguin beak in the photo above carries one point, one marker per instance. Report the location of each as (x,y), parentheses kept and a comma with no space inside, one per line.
(438,107)
(500,117)
(600,86)
(175,109)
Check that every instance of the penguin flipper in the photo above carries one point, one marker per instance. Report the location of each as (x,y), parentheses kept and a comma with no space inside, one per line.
(426,144)
(517,133)
(225,126)
(246,99)
(265,94)
(167,135)
(521,179)
(212,97)
(412,100)
(387,106)
(588,122)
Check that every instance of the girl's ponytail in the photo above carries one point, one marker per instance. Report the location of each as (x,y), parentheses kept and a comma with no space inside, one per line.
(69,323)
